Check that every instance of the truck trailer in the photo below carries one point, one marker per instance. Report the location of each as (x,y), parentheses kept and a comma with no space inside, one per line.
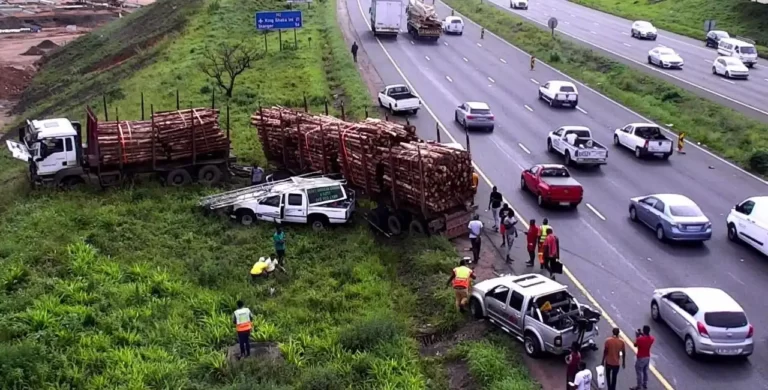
(386,17)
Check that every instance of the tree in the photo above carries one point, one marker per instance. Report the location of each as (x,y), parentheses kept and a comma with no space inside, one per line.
(227,62)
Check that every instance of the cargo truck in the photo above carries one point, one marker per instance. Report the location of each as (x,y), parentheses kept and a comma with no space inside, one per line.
(422,21)
(386,17)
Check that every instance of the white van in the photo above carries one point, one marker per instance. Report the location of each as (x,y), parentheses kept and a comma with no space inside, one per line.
(745,51)
(748,222)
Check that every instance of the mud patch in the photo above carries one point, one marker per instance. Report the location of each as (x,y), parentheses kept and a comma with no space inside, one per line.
(47,45)
(13,81)
(459,376)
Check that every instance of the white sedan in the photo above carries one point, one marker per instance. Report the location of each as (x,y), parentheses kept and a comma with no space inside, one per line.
(644,30)
(665,58)
(453,25)
(518,4)
(730,67)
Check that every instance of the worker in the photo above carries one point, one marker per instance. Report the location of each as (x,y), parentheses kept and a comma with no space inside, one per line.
(461,277)
(243,319)
(552,253)
(482,32)
(475,180)
(509,223)
(542,236)
(257,175)
(533,62)
(532,237)
(263,267)
(681,142)
(279,240)
(571,138)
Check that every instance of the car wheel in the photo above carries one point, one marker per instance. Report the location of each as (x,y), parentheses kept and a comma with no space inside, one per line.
(549,145)
(616,140)
(733,235)
(476,309)
(660,233)
(552,102)
(655,313)
(633,213)
(522,184)
(632,33)
(714,70)
(727,74)
(245,217)
(638,153)
(456,117)
(568,158)
(540,200)
(541,96)
(532,346)
(380,103)
(653,39)
(690,347)
(649,60)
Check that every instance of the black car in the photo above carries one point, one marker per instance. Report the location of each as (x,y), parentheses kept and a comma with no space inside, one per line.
(714,37)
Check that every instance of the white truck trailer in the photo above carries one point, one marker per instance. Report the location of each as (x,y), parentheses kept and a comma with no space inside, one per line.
(386,17)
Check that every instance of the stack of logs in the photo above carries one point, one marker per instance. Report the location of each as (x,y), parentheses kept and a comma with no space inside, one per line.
(384,158)
(131,142)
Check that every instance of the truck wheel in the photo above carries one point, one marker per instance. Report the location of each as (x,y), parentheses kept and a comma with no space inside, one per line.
(476,309)
(394,225)
(549,145)
(245,217)
(568,158)
(178,178)
(416,228)
(318,223)
(638,153)
(616,140)
(532,346)
(209,175)
(71,183)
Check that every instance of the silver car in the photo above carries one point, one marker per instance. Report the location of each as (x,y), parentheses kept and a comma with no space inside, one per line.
(471,115)
(707,319)
(673,217)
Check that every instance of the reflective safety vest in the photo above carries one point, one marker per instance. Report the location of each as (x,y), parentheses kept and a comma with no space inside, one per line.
(543,232)
(243,319)
(461,277)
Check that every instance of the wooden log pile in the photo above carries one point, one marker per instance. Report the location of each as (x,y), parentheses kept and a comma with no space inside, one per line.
(131,142)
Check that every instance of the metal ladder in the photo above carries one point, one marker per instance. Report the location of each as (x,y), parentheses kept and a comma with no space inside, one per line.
(224,199)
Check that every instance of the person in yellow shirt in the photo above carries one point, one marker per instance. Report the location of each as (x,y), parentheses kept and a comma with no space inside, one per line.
(263,267)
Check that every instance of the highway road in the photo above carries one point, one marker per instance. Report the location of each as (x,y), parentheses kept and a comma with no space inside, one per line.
(612,34)
(619,262)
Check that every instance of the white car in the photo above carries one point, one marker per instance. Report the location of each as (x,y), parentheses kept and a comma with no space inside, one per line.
(644,30)
(518,4)
(453,25)
(748,222)
(730,67)
(665,58)
(559,93)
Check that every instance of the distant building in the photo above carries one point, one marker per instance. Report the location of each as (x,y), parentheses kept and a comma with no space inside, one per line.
(761,1)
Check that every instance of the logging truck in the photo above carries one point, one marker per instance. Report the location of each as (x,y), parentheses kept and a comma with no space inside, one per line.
(179,152)
(422,21)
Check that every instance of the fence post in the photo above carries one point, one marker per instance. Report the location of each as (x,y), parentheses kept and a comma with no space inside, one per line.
(177,100)
(142,106)
(366,112)
(437,130)
(326,106)
(213,99)
(104,101)
(306,106)
(343,117)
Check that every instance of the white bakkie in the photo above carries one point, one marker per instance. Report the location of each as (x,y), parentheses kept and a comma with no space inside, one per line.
(398,98)
(575,143)
(645,139)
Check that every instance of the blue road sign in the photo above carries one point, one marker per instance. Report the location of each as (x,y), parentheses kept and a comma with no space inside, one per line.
(276,20)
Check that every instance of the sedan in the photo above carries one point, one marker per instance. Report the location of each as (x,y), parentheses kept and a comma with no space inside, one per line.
(665,58)
(518,4)
(673,217)
(708,320)
(474,115)
(453,25)
(730,67)
(644,30)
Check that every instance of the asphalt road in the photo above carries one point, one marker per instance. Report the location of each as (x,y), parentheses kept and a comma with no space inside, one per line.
(612,34)
(619,262)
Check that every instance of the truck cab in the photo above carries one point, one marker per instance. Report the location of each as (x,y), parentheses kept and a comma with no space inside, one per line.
(52,149)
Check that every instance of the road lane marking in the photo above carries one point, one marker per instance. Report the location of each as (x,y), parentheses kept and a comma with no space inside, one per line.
(627,44)
(582,110)
(572,15)
(737,279)
(593,32)
(427,57)
(479,45)
(412,43)
(465,59)
(727,81)
(491,80)
(627,109)
(502,60)
(528,108)
(534,81)
(566,22)
(596,24)
(766,79)
(594,210)
(554,9)
(625,33)
(450,80)
(523,147)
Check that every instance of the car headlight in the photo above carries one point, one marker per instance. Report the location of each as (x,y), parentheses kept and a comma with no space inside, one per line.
(679,226)
(708,225)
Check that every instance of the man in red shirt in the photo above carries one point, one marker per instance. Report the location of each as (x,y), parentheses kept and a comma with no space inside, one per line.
(643,342)
(532,238)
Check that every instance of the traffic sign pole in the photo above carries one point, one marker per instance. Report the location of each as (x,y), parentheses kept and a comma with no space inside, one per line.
(280,38)
(295,40)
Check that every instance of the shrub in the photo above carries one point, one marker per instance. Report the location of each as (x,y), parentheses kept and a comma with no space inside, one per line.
(758,161)
(368,333)
(22,366)
(321,378)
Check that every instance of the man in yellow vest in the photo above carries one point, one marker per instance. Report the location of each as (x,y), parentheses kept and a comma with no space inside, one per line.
(243,319)
(461,278)
(543,229)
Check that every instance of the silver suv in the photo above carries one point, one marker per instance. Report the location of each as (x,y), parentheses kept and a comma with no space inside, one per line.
(473,115)
(537,311)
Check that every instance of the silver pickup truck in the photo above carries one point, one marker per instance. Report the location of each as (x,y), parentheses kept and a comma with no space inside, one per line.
(537,311)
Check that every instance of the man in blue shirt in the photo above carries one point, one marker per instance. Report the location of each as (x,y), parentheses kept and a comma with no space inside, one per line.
(279,240)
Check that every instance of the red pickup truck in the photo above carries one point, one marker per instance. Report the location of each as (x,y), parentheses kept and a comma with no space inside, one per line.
(552,184)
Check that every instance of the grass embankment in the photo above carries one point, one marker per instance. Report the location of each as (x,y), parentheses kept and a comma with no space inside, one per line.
(725,131)
(134,288)
(742,17)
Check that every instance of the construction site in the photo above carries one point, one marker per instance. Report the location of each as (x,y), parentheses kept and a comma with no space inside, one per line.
(30,29)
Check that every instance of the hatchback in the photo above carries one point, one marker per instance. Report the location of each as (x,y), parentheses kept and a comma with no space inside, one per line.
(708,320)
(673,217)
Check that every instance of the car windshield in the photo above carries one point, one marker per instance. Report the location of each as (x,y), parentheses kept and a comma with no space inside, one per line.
(480,111)
(555,172)
(748,50)
(567,88)
(685,211)
(456,21)
(732,62)
(726,319)
(667,52)
(644,25)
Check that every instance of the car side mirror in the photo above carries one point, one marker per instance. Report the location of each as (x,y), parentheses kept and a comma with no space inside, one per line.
(38,159)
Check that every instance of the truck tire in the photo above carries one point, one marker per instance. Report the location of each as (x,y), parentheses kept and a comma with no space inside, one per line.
(318,222)
(245,217)
(476,309)
(549,145)
(178,177)
(616,140)
(209,175)
(416,228)
(568,161)
(71,183)
(394,225)
(532,345)
(638,152)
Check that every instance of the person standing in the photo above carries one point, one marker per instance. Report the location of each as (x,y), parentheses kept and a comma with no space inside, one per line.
(494,203)
(543,229)
(279,239)
(243,320)
(551,253)
(573,364)
(509,224)
(354,51)
(643,342)
(614,353)
(583,378)
(475,228)
(257,175)
(532,237)
(505,209)
(461,277)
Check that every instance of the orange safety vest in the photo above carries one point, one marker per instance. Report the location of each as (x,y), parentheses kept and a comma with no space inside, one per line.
(461,277)
(243,319)
(475,180)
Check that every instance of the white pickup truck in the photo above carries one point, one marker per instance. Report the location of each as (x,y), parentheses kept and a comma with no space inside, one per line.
(575,143)
(645,139)
(398,98)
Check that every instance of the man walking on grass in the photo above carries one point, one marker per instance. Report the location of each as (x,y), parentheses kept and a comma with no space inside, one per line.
(354,51)
(461,277)
(243,319)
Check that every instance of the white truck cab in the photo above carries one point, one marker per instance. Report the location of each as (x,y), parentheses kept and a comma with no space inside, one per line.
(748,222)
(52,147)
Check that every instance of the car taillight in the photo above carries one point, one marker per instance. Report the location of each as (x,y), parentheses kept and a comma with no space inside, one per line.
(645,146)
(492,117)
(470,117)
(751,331)
(702,329)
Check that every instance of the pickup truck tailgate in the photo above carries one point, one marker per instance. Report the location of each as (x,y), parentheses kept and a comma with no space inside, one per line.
(659,146)
(591,154)
(564,188)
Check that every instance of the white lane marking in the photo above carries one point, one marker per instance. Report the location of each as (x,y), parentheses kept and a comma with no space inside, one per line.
(625,33)
(627,44)
(523,147)
(479,45)
(582,110)
(534,81)
(594,210)
(412,43)
(708,61)
(572,15)
(554,9)
(528,108)
(491,80)
(727,81)
(766,79)
(502,60)
(465,59)
(627,109)
(593,32)
(445,43)
(427,57)
(567,22)
(450,80)
(737,279)
(595,23)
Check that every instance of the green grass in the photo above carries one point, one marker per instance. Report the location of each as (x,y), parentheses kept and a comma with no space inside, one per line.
(723,130)
(496,363)
(742,17)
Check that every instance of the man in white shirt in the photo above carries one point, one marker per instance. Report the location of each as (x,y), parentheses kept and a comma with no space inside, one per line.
(583,379)
(475,229)
(510,230)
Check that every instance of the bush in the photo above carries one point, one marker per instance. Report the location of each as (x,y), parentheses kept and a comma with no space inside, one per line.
(321,378)
(758,161)
(22,366)
(369,333)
